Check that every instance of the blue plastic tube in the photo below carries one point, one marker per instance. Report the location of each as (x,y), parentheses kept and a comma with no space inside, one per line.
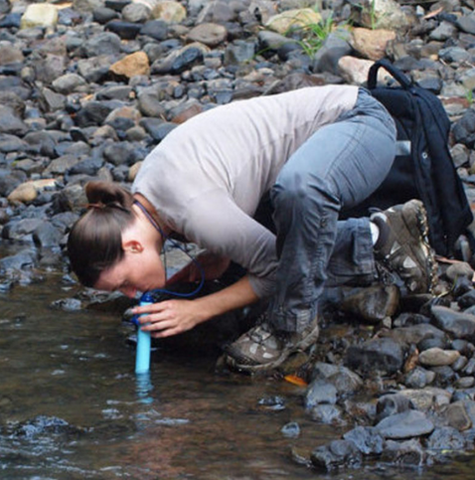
(142,355)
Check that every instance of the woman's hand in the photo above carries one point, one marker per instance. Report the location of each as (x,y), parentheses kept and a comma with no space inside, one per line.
(168,318)
(213,267)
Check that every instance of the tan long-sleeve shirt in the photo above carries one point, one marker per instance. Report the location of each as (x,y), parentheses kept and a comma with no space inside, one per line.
(206,178)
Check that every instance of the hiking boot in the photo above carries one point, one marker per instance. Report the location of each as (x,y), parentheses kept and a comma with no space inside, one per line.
(261,348)
(403,246)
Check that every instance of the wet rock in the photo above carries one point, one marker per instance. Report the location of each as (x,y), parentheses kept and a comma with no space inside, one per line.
(344,380)
(327,414)
(380,354)
(339,453)
(446,439)
(366,439)
(291,430)
(22,260)
(21,230)
(67,304)
(405,453)
(318,392)
(411,423)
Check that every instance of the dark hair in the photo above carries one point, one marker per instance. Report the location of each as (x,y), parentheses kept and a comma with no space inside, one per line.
(95,241)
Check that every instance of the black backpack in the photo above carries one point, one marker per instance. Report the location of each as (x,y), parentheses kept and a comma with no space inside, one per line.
(423,167)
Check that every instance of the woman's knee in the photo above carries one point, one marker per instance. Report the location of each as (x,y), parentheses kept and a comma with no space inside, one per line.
(293,189)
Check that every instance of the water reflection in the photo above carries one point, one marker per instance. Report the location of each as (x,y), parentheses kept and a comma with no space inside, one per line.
(144,387)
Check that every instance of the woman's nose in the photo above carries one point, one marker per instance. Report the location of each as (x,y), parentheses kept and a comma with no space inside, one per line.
(128,291)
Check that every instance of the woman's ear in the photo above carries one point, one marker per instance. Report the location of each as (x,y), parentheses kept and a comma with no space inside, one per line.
(132,246)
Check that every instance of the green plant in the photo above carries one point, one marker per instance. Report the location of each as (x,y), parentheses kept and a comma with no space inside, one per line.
(372,15)
(469,96)
(314,35)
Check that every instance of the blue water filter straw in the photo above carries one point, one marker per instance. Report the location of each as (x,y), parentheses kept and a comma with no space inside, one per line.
(144,342)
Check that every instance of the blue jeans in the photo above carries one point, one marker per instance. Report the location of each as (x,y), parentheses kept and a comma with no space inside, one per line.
(337,168)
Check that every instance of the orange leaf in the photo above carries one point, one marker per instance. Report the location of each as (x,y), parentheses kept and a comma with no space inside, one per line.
(296,380)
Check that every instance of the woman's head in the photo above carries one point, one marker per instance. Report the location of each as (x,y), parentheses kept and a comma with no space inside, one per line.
(95,241)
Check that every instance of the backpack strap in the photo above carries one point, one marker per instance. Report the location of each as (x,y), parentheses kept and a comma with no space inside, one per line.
(404,81)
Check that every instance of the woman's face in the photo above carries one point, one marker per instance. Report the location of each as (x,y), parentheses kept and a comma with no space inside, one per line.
(140,270)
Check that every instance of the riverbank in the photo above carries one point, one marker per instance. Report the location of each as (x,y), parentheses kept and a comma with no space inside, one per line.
(88,88)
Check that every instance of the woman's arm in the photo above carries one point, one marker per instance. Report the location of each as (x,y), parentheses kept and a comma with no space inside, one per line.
(172,317)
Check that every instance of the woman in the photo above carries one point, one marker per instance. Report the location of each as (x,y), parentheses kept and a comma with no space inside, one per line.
(316,151)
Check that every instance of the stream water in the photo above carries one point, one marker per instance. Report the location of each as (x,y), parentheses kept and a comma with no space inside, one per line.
(71,407)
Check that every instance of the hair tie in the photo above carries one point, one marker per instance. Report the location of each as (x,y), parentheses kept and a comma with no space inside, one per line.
(97,206)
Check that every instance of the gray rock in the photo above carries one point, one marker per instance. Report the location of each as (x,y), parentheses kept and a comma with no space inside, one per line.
(444,31)
(70,83)
(461,325)
(411,423)
(291,430)
(10,123)
(366,439)
(416,334)
(392,404)
(458,417)
(436,357)
(320,391)
(238,52)
(327,414)
(157,29)
(21,230)
(339,453)
(103,15)
(377,355)
(345,381)
(136,13)
(336,46)
(419,378)
(464,129)
(46,235)
(405,453)
(454,55)
(96,68)
(104,43)
(446,438)
(21,260)
(466,23)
